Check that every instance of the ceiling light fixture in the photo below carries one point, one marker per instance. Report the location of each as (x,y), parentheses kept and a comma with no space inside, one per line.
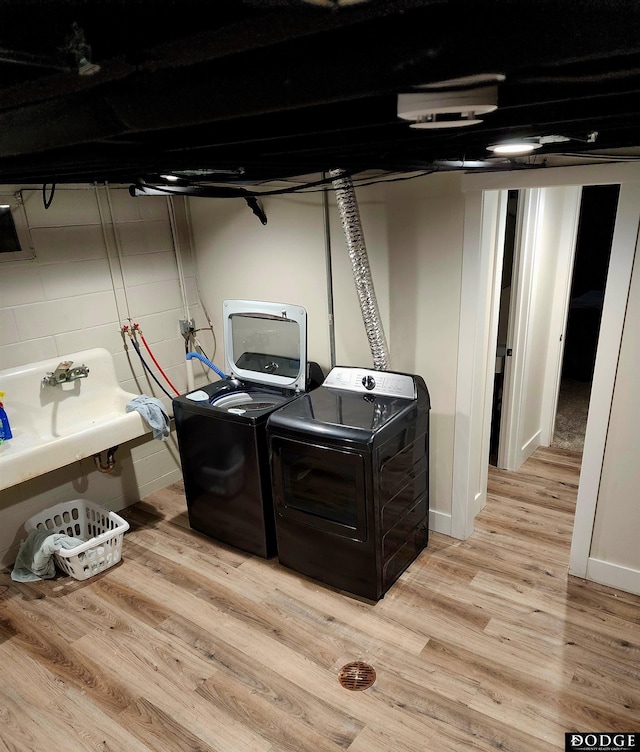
(434,120)
(465,82)
(447,109)
(515,147)
(463,164)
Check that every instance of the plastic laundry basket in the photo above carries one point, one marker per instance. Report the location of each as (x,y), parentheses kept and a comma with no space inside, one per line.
(101,529)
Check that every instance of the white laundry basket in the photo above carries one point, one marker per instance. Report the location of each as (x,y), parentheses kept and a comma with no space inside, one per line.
(101,529)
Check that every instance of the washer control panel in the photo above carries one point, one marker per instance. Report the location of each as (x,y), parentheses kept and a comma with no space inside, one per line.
(371,382)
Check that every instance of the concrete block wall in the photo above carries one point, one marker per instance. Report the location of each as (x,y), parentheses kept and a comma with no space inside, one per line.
(68,298)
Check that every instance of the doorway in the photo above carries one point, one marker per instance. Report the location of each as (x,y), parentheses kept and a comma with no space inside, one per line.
(485,211)
(593,250)
(550,306)
(511,225)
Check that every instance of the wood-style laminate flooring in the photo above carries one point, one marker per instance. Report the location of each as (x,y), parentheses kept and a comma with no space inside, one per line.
(189,645)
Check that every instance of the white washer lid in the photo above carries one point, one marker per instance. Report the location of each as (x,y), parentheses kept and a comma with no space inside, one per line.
(266,343)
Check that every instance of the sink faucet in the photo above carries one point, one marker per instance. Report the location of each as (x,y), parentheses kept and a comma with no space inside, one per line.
(64,372)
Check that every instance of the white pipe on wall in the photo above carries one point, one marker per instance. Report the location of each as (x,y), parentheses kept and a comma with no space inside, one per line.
(178,256)
(116,236)
(183,289)
(105,239)
(329,271)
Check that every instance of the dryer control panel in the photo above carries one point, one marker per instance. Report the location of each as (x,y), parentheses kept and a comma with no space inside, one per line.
(368,381)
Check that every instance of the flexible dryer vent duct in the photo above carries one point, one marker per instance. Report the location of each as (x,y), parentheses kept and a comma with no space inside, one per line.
(352,227)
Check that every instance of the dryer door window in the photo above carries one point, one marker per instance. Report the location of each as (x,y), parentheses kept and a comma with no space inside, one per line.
(320,487)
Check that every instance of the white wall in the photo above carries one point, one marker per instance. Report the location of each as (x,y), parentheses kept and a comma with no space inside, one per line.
(284,261)
(63,301)
(425,220)
(544,269)
(615,546)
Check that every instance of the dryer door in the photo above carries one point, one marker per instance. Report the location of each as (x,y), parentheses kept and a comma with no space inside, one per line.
(320,487)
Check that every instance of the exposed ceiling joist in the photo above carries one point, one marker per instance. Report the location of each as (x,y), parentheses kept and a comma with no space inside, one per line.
(278,88)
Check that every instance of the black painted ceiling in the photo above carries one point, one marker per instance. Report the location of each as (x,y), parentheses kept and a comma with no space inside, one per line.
(258,90)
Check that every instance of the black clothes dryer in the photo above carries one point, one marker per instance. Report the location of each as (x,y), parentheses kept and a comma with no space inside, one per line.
(350,468)
(221,428)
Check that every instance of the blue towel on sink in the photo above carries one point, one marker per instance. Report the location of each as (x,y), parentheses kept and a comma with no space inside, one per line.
(152,410)
(35,556)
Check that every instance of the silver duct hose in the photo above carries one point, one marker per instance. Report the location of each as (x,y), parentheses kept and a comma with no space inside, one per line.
(352,226)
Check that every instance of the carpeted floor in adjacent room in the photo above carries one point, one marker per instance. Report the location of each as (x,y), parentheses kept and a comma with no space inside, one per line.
(571,416)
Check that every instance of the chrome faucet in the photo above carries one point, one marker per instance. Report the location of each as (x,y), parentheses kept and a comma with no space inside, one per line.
(64,372)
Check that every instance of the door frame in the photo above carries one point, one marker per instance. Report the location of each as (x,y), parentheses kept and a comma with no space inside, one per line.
(623,248)
(483,243)
(537,220)
(530,209)
(560,310)
(473,414)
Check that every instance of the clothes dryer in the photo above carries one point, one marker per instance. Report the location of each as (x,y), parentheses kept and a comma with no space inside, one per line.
(221,428)
(350,468)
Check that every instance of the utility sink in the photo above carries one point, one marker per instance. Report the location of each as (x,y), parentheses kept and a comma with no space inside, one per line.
(57,423)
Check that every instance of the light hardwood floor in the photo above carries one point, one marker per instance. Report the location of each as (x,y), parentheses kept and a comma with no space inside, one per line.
(189,645)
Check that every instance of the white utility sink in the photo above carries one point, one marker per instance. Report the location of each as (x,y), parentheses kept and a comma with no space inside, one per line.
(54,426)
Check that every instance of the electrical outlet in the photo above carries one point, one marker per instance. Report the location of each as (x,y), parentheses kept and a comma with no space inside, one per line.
(187,326)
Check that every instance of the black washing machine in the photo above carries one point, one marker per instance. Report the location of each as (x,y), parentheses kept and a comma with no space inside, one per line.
(221,428)
(350,467)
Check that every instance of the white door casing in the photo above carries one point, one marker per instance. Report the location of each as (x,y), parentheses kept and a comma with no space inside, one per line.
(514,447)
(471,415)
(543,259)
(485,214)
(623,248)
(566,250)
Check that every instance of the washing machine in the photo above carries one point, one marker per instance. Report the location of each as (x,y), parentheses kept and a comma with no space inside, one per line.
(221,428)
(350,469)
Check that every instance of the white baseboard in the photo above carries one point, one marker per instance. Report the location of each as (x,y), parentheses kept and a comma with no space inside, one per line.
(614,575)
(439,522)
(530,447)
(159,483)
